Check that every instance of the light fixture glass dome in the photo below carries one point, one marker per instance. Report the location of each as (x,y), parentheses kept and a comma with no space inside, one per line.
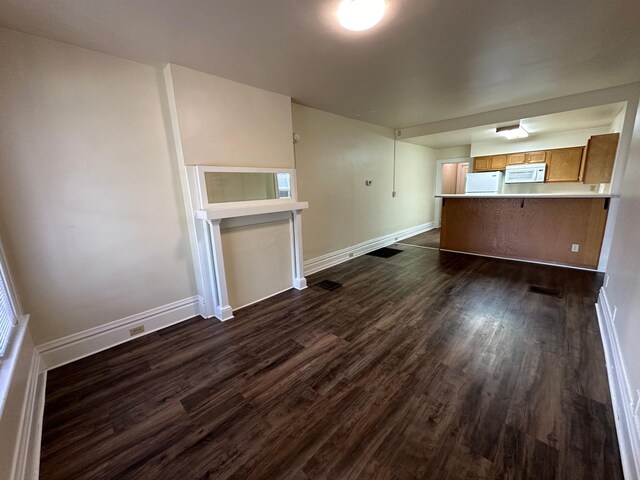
(358,15)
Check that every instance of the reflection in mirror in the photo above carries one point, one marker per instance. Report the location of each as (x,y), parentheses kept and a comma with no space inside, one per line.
(244,186)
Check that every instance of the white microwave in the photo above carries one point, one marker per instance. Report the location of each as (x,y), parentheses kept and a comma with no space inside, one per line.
(533,173)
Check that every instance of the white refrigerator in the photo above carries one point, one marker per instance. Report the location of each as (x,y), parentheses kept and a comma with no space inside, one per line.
(484,182)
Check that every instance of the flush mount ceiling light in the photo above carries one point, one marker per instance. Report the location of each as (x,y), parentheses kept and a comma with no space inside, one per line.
(511,132)
(359,15)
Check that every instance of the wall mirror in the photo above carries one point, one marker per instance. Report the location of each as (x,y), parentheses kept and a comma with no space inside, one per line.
(237,185)
(225,187)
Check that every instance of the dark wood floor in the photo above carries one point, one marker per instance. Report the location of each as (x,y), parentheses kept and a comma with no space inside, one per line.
(429,239)
(424,365)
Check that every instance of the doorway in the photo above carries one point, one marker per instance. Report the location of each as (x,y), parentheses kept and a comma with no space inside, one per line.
(451,177)
(454,177)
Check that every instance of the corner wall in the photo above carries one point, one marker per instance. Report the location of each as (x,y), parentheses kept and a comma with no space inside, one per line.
(334,158)
(619,309)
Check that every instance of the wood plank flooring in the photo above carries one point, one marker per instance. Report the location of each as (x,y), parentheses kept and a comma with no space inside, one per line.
(430,239)
(427,365)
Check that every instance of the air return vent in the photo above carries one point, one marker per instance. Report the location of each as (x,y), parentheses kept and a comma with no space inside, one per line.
(328,285)
(552,292)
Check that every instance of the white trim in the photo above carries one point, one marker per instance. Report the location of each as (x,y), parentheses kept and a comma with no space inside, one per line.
(334,258)
(225,211)
(10,360)
(188,197)
(627,424)
(522,260)
(82,344)
(26,457)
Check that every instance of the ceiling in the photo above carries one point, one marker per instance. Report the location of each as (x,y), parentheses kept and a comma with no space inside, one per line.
(546,124)
(428,60)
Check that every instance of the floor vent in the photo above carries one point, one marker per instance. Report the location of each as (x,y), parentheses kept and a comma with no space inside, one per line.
(328,285)
(385,252)
(552,292)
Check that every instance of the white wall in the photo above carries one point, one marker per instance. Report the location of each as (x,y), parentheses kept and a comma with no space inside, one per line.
(90,207)
(334,157)
(623,289)
(618,122)
(226,123)
(463,151)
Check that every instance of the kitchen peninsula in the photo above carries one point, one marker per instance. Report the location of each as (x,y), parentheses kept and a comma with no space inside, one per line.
(563,229)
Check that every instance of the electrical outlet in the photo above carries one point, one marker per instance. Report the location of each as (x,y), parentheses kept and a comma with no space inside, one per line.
(575,247)
(368,183)
(136,330)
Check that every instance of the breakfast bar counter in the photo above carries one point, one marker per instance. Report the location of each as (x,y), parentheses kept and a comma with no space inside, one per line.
(557,229)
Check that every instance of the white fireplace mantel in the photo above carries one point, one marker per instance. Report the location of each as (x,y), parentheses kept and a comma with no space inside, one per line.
(220,212)
(214,214)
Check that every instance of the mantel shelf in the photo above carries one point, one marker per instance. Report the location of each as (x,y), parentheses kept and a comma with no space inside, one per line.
(221,212)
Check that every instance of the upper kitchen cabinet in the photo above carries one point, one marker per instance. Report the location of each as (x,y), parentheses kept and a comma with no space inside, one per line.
(599,158)
(489,163)
(526,157)
(564,164)
(516,159)
(536,157)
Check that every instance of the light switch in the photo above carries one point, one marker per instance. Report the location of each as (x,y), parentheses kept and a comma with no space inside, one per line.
(575,247)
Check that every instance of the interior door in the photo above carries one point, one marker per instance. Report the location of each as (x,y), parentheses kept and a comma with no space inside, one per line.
(461,177)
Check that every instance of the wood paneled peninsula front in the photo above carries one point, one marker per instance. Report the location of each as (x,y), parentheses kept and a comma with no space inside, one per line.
(558,229)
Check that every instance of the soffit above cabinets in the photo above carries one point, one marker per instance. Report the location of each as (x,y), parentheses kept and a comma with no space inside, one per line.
(599,116)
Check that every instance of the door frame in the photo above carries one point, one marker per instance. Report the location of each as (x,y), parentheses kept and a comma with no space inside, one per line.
(437,212)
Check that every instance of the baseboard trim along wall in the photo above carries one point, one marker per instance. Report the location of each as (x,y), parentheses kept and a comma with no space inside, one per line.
(26,460)
(627,424)
(94,340)
(334,258)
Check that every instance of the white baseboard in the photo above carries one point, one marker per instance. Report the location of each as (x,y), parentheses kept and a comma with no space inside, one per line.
(334,258)
(627,424)
(26,461)
(94,340)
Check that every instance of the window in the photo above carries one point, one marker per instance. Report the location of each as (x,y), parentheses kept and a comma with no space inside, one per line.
(284,185)
(8,314)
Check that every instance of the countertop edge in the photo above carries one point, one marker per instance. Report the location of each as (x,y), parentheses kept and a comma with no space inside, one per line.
(528,195)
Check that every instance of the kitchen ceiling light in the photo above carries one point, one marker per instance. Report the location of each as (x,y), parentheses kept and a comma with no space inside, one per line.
(512,132)
(358,15)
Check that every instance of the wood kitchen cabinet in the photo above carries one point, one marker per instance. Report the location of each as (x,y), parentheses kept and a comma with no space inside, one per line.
(489,163)
(526,157)
(481,164)
(599,157)
(536,157)
(516,159)
(564,165)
